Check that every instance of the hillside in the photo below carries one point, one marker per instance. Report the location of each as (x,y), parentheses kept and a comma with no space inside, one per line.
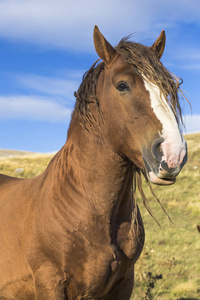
(23,164)
(12,153)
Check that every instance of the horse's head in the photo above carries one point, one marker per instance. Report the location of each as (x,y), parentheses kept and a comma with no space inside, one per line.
(139,103)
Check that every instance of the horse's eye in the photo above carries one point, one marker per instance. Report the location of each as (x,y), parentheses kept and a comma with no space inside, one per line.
(122,87)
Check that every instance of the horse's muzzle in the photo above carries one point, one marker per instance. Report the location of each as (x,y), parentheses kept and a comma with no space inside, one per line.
(165,160)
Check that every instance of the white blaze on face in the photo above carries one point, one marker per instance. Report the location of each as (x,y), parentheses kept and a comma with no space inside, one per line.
(174,145)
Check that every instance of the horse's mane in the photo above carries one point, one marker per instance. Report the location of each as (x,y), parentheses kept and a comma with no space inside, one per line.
(145,62)
(86,93)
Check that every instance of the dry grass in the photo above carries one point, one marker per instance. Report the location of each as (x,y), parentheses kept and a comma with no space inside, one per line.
(169,267)
(12,153)
(24,165)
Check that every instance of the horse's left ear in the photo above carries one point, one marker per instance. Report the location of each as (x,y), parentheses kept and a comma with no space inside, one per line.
(103,47)
(159,44)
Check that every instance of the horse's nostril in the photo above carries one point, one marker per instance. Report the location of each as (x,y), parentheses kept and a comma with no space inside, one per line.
(156,149)
(164,165)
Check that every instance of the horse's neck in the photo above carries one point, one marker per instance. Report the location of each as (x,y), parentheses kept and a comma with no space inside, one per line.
(90,176)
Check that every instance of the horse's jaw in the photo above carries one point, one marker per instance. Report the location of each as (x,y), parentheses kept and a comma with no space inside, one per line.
(160,181)
(157,178)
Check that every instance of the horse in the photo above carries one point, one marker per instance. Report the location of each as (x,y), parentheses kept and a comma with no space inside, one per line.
(75,231)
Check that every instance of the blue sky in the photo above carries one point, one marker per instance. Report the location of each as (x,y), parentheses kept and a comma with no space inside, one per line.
(47,45)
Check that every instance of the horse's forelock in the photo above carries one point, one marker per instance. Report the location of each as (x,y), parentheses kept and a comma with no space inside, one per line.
(146,63)
(144,59)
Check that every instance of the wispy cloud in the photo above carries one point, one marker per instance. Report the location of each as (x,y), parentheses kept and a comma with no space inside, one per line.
(192,123)
(42,98)
(190,53)
(69,24)
(62,87)
(191,66)
(188,58)
(33,108)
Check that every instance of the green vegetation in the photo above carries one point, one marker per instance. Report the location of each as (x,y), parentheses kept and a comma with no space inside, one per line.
(169,267)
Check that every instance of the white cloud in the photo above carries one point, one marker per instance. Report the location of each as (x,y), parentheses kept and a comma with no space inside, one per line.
(69,24)
(43,98)
(62,87)
(192,123)
(195,66)
(190,53)
(188,57)
(33,108)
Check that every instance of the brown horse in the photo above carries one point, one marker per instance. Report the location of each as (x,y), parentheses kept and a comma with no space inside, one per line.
(74,232)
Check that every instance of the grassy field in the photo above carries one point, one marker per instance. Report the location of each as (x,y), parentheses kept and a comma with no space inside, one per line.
(23,165)
(169,267)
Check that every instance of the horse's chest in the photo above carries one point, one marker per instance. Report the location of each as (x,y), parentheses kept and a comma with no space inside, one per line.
(98,275)
(102,267)
(129,244)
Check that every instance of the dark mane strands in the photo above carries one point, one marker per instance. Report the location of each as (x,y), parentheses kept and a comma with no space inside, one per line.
(86,93)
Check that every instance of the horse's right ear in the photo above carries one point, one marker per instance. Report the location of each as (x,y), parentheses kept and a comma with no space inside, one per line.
(159,44)
(103,47)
